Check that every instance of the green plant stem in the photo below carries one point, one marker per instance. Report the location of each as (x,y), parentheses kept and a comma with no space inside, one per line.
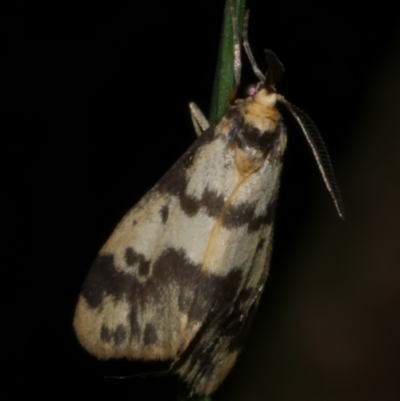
(224,73)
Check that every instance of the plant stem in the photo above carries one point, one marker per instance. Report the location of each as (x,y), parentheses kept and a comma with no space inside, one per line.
(224,73)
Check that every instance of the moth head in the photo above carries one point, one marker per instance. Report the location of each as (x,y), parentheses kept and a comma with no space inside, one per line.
(264,91)
(267,83)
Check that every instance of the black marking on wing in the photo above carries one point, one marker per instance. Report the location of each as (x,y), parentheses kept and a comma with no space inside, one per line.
(116,336)
(164,213)
(132,258)
(150,334)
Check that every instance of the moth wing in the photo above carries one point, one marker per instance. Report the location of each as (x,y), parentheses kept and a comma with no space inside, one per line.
(135,300)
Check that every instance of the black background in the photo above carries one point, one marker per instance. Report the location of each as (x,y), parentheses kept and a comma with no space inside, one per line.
(94,111)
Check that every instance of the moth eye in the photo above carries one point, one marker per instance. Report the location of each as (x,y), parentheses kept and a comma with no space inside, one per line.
(250,90)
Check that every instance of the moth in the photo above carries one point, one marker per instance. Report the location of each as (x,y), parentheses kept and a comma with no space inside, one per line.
(182,274)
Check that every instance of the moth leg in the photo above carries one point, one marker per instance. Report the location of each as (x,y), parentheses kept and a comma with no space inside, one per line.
(199,120)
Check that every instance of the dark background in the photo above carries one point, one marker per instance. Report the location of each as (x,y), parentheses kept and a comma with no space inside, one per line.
(94,111)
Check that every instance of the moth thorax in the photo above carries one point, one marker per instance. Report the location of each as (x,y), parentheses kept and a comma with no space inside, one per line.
(260,112)
(260,133)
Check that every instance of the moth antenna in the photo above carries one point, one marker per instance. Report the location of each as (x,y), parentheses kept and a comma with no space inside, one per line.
(237,63)
(247,48)
(320,152)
